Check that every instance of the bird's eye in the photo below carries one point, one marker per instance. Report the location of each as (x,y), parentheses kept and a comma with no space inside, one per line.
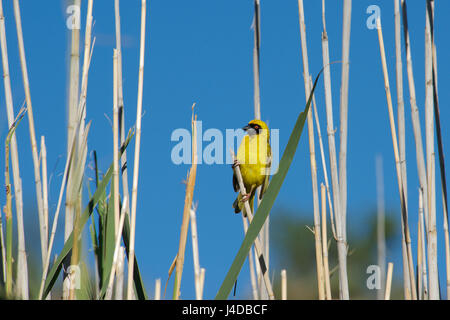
(256,127)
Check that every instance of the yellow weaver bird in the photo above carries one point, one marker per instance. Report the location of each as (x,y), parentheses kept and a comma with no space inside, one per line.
(254,159)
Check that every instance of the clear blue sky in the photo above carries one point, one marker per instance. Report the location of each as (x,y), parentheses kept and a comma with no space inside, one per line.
(201,51)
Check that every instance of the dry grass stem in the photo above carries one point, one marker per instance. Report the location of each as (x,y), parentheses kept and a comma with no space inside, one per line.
(387,294)
(405,227)
(257,244)
(136,154)
(190,184)
(283,285)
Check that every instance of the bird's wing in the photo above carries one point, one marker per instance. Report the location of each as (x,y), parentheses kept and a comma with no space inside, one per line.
(265,184)
(235,183)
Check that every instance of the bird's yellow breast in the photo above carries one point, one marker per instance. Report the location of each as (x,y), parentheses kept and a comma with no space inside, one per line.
(254,158)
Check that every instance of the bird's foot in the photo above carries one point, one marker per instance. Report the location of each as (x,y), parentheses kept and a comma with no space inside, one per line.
(235,164)
(245,197)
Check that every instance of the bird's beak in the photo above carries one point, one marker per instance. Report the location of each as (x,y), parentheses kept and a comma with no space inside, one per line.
(246,128)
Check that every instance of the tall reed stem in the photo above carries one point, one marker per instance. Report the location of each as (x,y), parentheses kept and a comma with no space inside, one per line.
(341,242)
(22,262)
(430,156)
(136,154)
(405,227)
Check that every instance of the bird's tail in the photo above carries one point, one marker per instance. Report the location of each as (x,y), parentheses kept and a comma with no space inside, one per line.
(238,204)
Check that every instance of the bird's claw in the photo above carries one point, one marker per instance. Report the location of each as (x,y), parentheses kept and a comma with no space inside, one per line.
(235,164)
(245,197)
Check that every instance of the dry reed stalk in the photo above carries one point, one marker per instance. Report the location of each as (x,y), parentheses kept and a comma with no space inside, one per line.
(190,184)
(326,266)
(2,245)
(264,234)
(306,78)
(195,253)
(415,114)
(123,159)
(78,172)
(256,64)
(421,254)
(136,154)
(430,6)
(32,131)
(341,243)
(73,105)
(114,267)
(68,164)
(86,59)
(419,251)
(158,289)
(400,100)
(202,281)
(381,234)
(251,264)
(257,243)
(9,226)
(45,197)
(21,285)
(44,189)
(26,86)
(430,161)
(22,263)
(283,285)
(401,132)
(116,194)
(322,156)
(346,25)
(387,294)
(120,272)
(404,215)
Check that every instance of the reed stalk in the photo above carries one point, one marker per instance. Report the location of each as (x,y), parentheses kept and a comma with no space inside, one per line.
(430,6)
(9,218)
(322,156)
(306,78)
(421,170)
(401,132)
(158,289)
(69,163)
(116,194)
(123,158)
(22,263)
(3,252)
(44,192)
(346,26)
(430,161)
(341,242)
(326,266)
(120,272)
(195,253)
(381,232)
(258,247)
(74,78)
(387,294)
(118,237)
(252,265)
(405,228)
(136,154)
(283,285)
(264,234)
(421,253)
(190,184)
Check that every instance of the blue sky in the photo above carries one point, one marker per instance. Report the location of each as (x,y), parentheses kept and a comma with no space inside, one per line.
(201,51)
